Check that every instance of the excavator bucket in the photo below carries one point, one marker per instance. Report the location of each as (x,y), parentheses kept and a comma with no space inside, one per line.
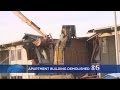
(67,32)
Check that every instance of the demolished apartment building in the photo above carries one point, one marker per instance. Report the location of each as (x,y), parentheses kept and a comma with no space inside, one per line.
(104,51)
(22,52)
(14,53)
(69,49)
(104,45)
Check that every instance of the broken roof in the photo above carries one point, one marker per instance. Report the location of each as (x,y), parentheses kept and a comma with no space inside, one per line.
(31,36)
(19,42)
(11,44)
(103,29)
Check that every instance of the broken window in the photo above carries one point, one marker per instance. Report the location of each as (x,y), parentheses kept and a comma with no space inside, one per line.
(4,57)
(19,77)
(104,45)
(12,54)
(19,54)
(4,77)
(16,77)
(13,77)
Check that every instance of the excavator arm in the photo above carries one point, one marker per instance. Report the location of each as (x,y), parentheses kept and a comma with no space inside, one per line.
(30,23)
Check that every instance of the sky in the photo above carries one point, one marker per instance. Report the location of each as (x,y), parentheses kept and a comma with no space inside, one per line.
(13,29)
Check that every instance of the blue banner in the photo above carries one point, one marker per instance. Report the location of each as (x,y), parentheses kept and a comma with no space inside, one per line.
(59,68)
(13,68)
(62,68)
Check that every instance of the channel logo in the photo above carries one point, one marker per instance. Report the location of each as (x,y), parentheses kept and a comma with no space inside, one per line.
(16,69)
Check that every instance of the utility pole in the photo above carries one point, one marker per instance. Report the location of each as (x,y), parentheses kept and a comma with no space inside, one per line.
(116,39)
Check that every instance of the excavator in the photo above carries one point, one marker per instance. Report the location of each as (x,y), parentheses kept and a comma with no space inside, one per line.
(44,49)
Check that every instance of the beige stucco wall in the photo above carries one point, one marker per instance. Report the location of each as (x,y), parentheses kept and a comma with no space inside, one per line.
(109,57)
(23,61)
(111,44)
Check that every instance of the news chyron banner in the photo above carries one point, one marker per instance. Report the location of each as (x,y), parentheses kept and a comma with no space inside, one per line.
(59,68)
